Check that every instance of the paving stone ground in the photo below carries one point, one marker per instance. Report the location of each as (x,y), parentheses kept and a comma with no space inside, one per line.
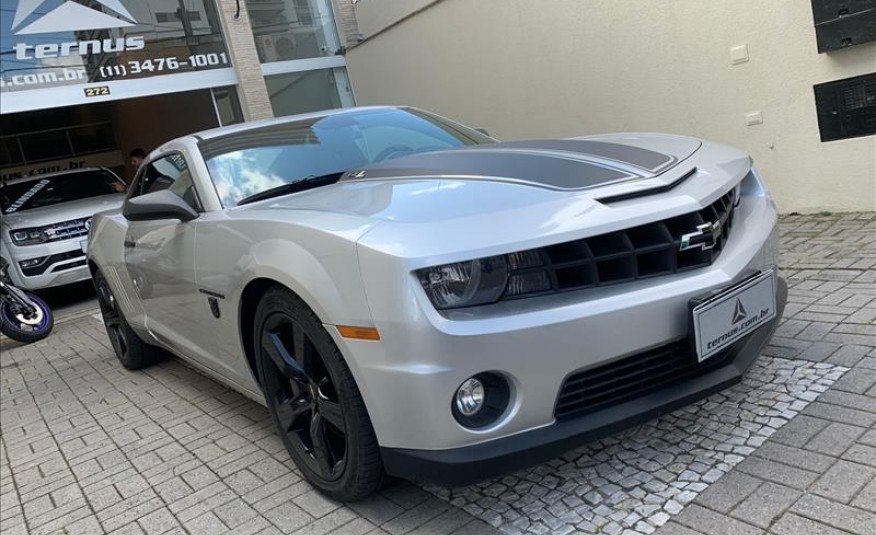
(817,474)
(87,447)
(635,481)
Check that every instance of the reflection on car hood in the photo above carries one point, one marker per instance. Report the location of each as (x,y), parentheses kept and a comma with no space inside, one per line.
(560,164)
(66,211)
(411,200)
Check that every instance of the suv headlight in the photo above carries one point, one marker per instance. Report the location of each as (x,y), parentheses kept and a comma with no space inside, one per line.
(28,236)
(485,280)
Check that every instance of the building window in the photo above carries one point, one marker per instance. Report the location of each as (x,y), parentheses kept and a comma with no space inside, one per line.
(307,91)
(293,29)
(164,17)
(227,104)
(44,145)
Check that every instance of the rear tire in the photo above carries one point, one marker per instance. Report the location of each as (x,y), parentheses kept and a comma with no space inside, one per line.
(313,399)
(129,348)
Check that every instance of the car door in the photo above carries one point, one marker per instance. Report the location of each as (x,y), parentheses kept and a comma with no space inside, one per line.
(159,257)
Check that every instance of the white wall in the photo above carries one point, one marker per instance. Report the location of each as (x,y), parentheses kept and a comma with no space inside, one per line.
(525,69)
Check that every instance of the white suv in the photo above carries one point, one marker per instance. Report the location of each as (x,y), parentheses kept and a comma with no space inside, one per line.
(46,218)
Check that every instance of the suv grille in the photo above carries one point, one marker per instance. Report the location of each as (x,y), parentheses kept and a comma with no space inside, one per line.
(636,253)
(67,230)
(611,384)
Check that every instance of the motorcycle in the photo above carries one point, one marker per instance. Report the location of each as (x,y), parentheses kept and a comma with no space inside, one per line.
(23,316)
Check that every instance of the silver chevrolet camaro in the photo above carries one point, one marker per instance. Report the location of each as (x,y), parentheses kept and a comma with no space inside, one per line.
(410,297)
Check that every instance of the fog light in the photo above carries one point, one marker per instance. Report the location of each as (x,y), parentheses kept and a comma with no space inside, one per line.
(470,397)
(480,401)
(31,262)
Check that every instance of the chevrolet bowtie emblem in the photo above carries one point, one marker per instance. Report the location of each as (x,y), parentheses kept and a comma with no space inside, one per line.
(705,238)
(739,312)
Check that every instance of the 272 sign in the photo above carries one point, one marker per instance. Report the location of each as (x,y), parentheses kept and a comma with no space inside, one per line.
(98,91)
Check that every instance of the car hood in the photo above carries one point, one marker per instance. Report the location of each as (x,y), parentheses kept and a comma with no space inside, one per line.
(57,213)
(429,216)
(497,177)
(559,164)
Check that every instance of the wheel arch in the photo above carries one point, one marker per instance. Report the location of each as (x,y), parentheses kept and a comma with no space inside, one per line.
(92,267)
(250,297)
(249,301)
(330,288)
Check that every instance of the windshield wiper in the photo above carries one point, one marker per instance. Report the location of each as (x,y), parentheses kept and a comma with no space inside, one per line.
(308,182)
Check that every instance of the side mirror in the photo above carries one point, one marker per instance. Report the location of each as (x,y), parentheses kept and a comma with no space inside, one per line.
(158,205)
(483,131)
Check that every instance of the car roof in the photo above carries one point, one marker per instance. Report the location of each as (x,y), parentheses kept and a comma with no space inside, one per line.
(244,127)
(57,173)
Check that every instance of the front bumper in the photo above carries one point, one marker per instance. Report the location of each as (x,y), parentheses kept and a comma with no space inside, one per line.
(64,263)
(465,465)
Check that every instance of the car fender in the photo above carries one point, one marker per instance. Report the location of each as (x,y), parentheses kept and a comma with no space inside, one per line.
(328,281)
(106,252)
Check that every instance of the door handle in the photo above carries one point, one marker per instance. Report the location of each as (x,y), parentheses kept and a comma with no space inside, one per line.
(130,244)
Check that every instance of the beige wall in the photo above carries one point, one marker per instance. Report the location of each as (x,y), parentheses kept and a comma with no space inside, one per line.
(525,69)
(373,16)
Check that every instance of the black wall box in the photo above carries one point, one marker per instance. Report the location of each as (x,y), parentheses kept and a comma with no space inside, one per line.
(847,108)
(843,23)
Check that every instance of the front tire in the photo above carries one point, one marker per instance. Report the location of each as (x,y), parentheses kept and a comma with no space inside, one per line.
(30,329)
(313,399)
(130,349)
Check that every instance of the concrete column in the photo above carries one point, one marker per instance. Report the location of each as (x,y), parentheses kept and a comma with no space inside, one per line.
(345,15)
(251,89)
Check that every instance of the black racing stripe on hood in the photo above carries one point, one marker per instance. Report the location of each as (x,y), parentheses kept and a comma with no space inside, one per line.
(636,156)
(538,169)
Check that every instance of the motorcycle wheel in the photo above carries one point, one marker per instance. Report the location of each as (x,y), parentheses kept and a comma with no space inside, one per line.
(27,330)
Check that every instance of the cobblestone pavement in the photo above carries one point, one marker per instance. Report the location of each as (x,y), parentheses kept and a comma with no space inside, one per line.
(88,447)
(637,479)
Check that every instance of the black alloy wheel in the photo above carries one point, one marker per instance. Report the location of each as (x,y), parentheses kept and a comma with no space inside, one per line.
(314,400)
(112,319)
(130,349)
(305,398)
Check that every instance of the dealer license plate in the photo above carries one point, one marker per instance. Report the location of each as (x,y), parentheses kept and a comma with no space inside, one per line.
(84,245)
(730,315)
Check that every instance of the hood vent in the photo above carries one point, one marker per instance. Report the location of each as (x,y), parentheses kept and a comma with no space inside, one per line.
(650,191)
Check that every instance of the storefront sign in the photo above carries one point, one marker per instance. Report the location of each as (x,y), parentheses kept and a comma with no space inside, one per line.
(52,44)
(103,159)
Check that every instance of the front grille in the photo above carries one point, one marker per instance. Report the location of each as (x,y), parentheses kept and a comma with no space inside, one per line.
(636,253)
(67,230)
(597,388)
(49,261)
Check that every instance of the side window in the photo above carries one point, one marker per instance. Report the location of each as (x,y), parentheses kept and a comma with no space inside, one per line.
(170,173)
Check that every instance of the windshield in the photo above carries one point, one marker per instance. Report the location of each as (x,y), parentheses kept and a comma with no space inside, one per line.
(245,164)
(50,190)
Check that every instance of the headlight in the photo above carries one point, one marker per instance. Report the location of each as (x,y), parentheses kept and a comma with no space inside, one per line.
(28,236)
(485,280)
(475,282)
